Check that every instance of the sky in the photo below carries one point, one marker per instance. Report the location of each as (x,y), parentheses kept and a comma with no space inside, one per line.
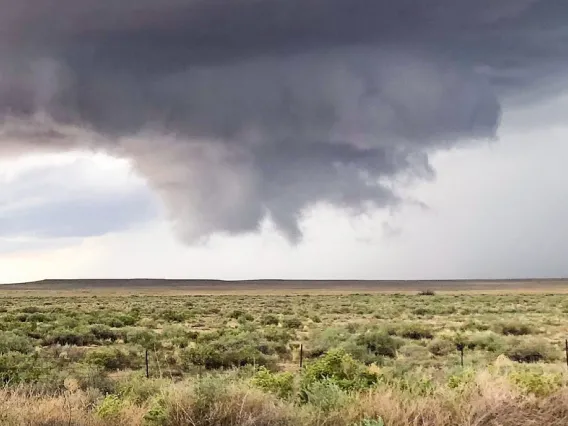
(279,139)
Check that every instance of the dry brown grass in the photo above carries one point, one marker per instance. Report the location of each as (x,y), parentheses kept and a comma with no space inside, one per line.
(489,401)
(18,408)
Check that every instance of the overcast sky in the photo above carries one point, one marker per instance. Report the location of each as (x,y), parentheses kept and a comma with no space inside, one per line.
(283,139)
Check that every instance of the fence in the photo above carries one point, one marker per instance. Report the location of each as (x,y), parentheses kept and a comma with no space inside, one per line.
(460,348)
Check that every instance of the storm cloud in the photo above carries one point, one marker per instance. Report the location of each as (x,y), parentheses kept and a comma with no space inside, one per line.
(239,110)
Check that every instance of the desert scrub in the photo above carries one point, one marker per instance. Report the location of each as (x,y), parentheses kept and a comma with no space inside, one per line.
(530,351)
(112,358)
(536,381)
(280,384)
(413,331)
(514,328)
(292,322)
(441,347)
(338,368)
(379,343)
(12,342)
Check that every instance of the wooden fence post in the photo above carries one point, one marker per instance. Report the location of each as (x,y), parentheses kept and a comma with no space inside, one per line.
(301,355)
(147,366)
(460,347)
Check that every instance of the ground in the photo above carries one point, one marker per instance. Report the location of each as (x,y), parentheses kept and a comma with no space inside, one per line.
(221,353)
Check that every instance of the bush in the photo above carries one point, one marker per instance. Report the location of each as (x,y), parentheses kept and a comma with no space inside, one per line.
(461,380)
(179,335)
(104,332)
(415,332)
(280,384)
(441,347)
(12,342)
(236,314)
(94,377)
(173,316)
(529,351)
(379,343)
(514,329)
(72,337)
(326,339)
(113,358)
(140,336)
(231,350)
(110,407)
(270,320)
(340,368)
(138,389)
(488,341)
(326,395)
(536,382)
(292,322)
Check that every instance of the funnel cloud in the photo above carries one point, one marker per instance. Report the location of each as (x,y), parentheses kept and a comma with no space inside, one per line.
(236,111)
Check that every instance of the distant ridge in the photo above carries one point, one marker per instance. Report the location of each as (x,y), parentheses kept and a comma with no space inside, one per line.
(204,285)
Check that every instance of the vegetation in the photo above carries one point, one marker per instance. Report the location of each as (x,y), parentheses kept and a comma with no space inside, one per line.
(368,360)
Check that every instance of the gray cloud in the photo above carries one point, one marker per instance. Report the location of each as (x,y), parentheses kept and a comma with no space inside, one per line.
(235,110)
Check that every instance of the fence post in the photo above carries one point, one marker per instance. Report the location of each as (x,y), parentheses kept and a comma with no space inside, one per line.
(147,366)
(460,347)
(301,355)
(566,342)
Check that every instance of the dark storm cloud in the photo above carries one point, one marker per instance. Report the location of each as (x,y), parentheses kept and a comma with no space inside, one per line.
(234,110)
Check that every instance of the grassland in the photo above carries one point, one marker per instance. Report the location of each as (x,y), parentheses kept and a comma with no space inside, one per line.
(74,354)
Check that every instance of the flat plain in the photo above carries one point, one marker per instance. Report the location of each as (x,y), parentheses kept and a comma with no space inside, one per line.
(229,353)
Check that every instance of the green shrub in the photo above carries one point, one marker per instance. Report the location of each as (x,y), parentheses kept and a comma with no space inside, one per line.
(110,407)
(112,358)
(72,337)
(462,379)
(138,389)
(148,339)
(409,381)
(421,311)
(30,309)
(231,350)
(530,351)
(292,322)
(171,315)
(414,331)
(326,339)
(104,332)
(488,341)
(12,342)
(340,368)
(236,314)
(280,384)
(93,377)
(379,343)
(513,328)
(441,347)
(537,382)
(179,335)
(17,368)
(270,320)
(325,395)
